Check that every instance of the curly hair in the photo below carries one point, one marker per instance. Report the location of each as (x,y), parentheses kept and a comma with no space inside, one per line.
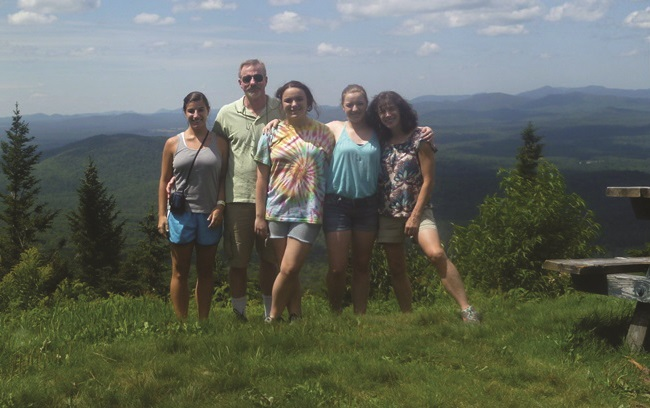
(408,116)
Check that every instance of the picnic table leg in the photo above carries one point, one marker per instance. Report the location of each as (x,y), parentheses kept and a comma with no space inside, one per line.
(639,326)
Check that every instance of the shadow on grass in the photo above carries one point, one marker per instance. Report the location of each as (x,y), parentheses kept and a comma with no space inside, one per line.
(607,328)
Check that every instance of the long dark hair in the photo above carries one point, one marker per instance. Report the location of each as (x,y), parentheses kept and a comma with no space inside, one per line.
(195,96)
(311,103)
(407,115)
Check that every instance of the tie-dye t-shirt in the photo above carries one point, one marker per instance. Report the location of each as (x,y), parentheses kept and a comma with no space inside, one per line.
(299,160)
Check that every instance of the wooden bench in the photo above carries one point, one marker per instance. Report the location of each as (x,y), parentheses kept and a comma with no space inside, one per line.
(626,278)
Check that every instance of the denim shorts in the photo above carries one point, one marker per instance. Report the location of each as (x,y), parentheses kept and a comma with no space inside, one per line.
(345,214)
(192,227)
(300,231)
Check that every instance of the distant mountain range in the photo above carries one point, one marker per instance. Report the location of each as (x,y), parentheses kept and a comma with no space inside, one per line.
(53,131)
(598,137)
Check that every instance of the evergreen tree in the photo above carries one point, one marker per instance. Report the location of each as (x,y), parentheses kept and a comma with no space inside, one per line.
(531,219)
(23,218)
(96,233)
(530,153)
(147,266)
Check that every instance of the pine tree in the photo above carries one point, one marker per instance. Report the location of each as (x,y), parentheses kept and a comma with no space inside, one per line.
(532,218)
(96,233)
(23,218)
(147,265)
(530,153)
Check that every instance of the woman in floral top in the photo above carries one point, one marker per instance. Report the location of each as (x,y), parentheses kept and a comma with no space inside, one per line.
(292,162)
(406,183)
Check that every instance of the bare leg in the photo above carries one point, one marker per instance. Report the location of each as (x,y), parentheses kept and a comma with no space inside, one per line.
(287,283)
(396,258)
(178,287)
(237,278)
(205,260)
(429,241)
(362,244)
(338,248)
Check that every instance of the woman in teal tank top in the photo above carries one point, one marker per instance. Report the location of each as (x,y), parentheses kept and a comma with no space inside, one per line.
(351,205)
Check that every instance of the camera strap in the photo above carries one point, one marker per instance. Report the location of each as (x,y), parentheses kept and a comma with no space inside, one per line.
(195,156)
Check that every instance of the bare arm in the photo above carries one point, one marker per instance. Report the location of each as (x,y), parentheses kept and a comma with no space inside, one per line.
(216,216)
(261,187)
(428,169)
(166,172)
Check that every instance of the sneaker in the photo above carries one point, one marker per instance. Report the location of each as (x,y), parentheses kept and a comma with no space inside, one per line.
(271,320)
(240,316)
(470,315)
(294,318)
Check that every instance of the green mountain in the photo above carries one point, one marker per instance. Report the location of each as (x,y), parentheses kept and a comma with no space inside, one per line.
(596,139)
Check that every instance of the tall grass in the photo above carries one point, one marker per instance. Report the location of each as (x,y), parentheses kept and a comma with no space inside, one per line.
(124,352)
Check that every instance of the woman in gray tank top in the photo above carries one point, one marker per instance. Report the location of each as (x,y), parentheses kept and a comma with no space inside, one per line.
(197,160)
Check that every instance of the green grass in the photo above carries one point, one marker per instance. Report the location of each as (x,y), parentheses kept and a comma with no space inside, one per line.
(133,353)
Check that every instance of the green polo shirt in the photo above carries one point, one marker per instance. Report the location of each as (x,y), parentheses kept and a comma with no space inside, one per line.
(243,130)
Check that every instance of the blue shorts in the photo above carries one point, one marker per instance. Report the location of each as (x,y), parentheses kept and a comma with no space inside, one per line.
(192,227)
(345,214)
(300,231)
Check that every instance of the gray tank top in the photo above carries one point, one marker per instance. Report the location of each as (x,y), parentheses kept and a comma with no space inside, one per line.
(202,188)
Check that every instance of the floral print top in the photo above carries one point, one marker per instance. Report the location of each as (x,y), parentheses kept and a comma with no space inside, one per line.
(400,177)
(299,160)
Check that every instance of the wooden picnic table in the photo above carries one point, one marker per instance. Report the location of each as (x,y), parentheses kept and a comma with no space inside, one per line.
(626,278)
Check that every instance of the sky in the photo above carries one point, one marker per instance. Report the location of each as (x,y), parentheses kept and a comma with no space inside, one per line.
(93,56)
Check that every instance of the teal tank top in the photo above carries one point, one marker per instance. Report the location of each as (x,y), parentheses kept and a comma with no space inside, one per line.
(354,170)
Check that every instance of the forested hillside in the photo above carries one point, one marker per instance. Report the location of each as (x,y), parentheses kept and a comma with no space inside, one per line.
(597,140)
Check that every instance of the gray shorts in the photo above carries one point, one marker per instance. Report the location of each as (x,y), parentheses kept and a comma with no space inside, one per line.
(391,229)
(300,231)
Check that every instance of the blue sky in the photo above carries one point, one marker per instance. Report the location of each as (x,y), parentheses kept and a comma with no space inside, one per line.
(83,56)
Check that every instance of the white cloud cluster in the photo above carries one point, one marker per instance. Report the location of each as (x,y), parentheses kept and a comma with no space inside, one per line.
(58,6)
(579,10)
(284,2)
(287,22)
(495,30)
(29,17)
(427,48)
(429,16)
(44,11)
(153,19)
(205,5)
(325,49)
(639,19)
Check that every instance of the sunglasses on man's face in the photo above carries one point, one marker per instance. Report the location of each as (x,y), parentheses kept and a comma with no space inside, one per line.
(257,77)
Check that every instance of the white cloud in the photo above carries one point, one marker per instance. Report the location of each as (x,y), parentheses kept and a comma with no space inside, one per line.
(427,48)
(28,17)
(58,6)
(284,2)
(84,52)
(287,22)
(205,5)
(580,10)
(432,15)
(383,8)
(154,19)
(411,27)
(640,19)
(631,53)
(325,49)
(496,30)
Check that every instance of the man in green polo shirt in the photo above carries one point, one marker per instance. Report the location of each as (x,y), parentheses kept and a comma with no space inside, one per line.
(241,123)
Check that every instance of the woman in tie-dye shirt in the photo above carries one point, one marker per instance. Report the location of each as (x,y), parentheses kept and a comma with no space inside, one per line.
(292,164)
